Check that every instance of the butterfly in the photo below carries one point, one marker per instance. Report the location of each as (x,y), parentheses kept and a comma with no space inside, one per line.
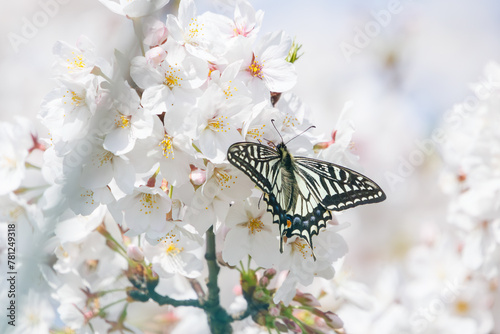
(301,192)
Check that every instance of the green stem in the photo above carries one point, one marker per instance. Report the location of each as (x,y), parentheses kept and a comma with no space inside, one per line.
(113,303)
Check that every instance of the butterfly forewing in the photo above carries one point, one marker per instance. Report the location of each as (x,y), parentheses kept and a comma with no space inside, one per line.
(257,161)
(338,188)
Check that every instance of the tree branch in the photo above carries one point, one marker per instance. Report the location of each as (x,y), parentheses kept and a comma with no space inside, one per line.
(218,318)
(163,300)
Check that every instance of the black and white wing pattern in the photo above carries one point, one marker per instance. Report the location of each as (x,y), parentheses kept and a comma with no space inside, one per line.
(301,192)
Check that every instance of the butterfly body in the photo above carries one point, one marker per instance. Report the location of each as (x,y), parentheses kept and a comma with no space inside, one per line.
(301,192)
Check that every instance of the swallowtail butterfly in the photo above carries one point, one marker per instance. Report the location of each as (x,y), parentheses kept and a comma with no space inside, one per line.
(301,192)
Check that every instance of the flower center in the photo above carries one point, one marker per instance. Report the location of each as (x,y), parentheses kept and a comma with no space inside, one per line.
(171,78)
(173,250)
(256,68)
(88,195)
(462,307)
(229,91)
(223,178)
(77,62)
(148,202)
(299,245)
(76,100)
(194,31)
(122,121)
(103,158)
(256,133)
(240,30)
(171,241)
(91,264)
(167,146)
(255,225)
(290,121)
(219,124)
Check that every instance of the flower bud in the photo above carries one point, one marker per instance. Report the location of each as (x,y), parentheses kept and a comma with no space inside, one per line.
(259,295)
(274,311)
(198,177)
(155,56)
(135,253)
(264,281)
(294,327)
(306,299)
(333,320)
(270,273)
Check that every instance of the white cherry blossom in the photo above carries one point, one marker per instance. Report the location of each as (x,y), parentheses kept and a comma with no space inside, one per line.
(134,8)
(252,232)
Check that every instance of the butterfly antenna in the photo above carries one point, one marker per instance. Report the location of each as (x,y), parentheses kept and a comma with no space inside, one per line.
(275,128)
(300,134)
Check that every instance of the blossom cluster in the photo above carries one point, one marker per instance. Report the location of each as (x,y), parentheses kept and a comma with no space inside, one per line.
(135,170)
(443,275)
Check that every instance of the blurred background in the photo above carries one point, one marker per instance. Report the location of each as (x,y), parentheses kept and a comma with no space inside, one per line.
(403,64)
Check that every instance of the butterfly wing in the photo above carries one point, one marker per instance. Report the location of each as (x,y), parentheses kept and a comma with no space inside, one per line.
(263,165)
(258,162)
(336,187)
(314,187)
(325,187)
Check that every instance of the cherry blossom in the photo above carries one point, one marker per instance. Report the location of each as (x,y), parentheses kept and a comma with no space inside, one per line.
(252,233)
(134,8)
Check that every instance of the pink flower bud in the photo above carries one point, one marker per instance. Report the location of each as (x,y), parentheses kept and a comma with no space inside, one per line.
(135,253)
(333,320)
(198,177)
(292,326)
(274,311)
(264,281)
(155,56)
(270,273)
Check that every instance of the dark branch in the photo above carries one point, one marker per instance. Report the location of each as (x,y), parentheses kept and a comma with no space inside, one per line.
(164,300)
(218,318)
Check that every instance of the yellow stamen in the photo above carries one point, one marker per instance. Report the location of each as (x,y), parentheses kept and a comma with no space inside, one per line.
(88,195)
(255,225)
(122,121)
(167,146)
(148,202)
(76,100)
(256,133)
(290,121)
(171,78)
(462,307)
(77,62)
(218,124)
(228,91)
(224,179)
(301,246)
(256,69)
(194,31)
